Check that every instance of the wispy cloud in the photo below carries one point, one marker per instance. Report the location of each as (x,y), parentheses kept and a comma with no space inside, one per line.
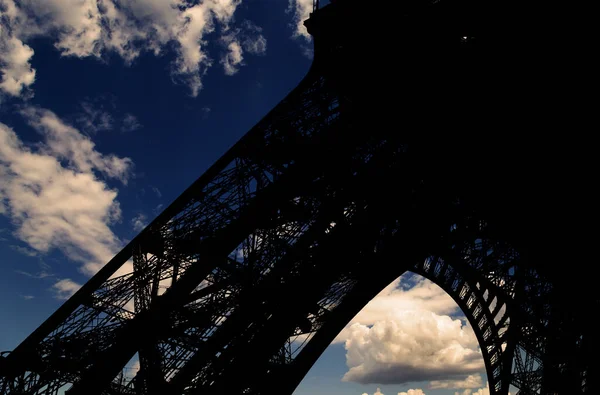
(64,142)
(44,271)
(246,39)
(130,123)
(101,113)
(27,297)
(25,250)
(94,118)
(40,274)
(157,192)
(158,209)
(233,58)
(139,222)
(252,39)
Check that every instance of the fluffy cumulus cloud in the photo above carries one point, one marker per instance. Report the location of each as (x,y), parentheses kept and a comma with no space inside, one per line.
(15,68)
(54,195)
(408,292)
(412,392)
(413,346)
(94,28)
(378,392)
(481,391)
(471,381)
(405,335)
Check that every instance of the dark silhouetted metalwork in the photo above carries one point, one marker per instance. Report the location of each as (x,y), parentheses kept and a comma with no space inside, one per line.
(243,281)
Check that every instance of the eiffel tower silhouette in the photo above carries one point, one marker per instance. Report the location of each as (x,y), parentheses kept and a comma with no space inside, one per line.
(246,278)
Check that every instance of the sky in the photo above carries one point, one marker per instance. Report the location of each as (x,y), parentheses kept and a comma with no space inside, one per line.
(110,109)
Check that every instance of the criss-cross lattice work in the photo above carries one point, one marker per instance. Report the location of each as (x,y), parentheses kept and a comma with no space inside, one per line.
(250,274)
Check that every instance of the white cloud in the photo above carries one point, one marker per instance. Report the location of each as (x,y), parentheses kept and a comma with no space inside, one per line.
(378,392)
(418,391)
(248,38)
(301,10)
(401,336)
(471,381)
(65,142)
(412,346)
(481,391)
(135,367)
(192,61)
(16,70)
(93,28)
(53,196)
(194,23)
(27,297)
(233,58)
(65,288)
(402,295)
(139,222)
(78,24)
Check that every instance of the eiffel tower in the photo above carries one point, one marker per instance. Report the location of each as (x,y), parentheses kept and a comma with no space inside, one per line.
(245,279)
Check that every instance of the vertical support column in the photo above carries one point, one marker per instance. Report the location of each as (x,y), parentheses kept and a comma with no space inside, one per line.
(149,380)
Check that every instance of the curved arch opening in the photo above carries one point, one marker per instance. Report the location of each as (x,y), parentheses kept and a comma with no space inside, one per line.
(412,338)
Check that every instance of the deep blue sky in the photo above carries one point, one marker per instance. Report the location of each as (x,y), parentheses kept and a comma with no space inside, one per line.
(177,138)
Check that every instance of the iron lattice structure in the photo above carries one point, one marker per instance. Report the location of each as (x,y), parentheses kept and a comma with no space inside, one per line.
(248,276)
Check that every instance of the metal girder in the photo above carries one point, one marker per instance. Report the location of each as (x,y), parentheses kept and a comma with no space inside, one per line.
(250,274)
